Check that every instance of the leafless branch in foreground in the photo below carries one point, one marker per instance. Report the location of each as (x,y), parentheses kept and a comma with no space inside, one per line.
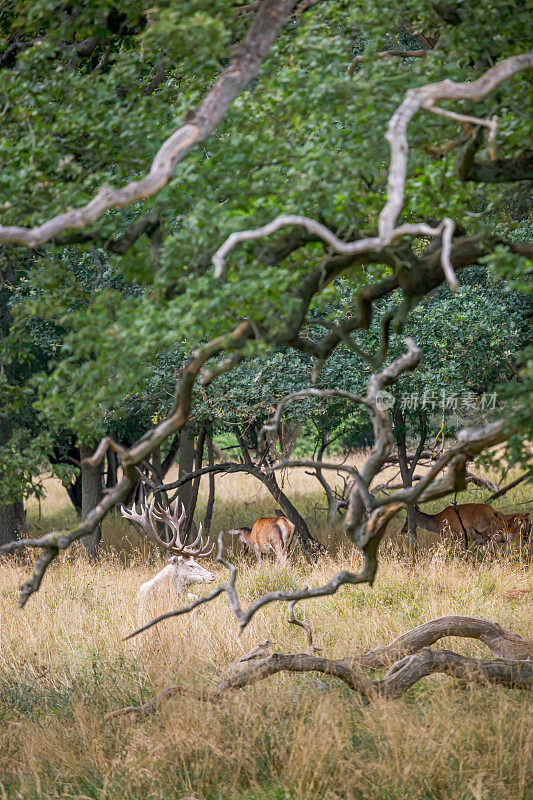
(365,533)
(269,19)
(407,659)
(425,98)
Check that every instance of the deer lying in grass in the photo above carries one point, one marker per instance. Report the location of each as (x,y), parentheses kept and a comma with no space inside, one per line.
(268,535)
(182,570)
(476,521)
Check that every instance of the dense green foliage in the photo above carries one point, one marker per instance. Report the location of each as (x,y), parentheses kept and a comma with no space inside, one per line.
(94,334)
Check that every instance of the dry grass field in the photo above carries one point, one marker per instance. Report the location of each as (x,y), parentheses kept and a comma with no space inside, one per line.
(64,664)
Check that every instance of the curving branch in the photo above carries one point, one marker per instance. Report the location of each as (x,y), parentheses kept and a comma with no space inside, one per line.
(470,443)
(368,498)
(407,659)
(312,650)
(422,98)
(243,68)
(414,276)
(376,243)
(501,642)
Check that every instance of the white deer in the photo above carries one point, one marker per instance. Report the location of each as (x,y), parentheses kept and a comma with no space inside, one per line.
(183,570)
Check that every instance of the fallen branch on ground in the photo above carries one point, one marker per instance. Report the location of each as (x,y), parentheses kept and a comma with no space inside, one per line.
(408,659)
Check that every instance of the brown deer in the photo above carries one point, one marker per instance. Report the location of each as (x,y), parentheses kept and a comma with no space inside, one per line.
(268,535)
(477,521)
(518,525)
(182,570)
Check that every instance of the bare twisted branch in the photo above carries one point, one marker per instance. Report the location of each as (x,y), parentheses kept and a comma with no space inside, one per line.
(425,98)
(408,659)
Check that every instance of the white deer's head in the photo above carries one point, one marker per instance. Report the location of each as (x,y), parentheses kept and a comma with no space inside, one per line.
(189,572)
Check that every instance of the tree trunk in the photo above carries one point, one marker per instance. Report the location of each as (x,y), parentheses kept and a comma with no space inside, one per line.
(112,467)
(12,522)
(69,455)
(74,492)
(407,478)
(170,457)
(91,494)
(189,522)
(211,477)
(408,467)
(186,465)
(309,545)
(334,503)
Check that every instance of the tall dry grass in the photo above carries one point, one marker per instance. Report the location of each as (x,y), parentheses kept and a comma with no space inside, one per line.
(64,664)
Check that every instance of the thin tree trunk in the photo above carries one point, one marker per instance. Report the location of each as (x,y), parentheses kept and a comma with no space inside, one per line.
(156,462)
(74,492)
(111,473)
(407,478)
(200,442)
(308,543)
(91,494)
(12,522)
(332,501)
(112,467)
(71,456)
(408,467)
(186,465)
(211,477)
(170,457)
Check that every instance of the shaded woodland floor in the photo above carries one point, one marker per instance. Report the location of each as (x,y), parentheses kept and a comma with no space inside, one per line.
(64,664)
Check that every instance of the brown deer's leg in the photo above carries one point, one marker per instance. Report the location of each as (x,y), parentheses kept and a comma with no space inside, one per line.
(277,547)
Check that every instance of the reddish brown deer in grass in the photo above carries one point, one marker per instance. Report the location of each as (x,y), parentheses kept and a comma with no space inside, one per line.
(268,535)
(477,522)
(518,525)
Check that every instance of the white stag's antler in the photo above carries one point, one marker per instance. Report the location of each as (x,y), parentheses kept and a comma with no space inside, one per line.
(146,520)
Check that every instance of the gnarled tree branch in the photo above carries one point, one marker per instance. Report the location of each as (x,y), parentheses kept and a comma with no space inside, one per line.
(408,659)
(415,99)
